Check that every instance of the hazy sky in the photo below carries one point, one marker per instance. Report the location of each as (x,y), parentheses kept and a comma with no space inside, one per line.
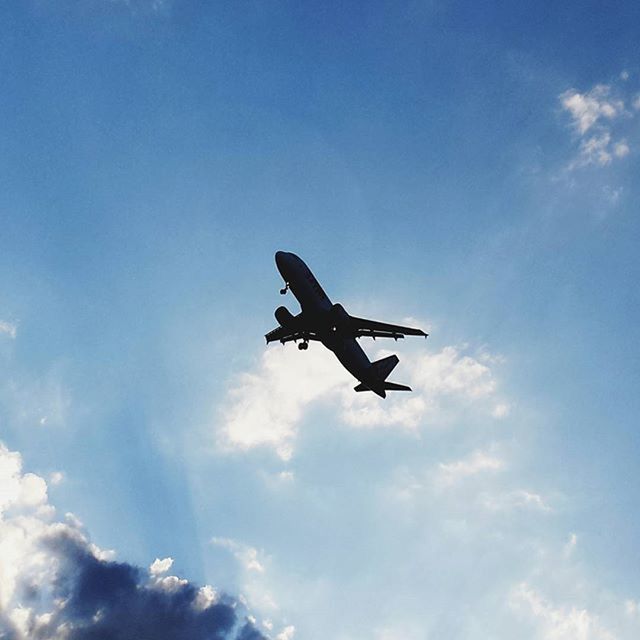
(467,167)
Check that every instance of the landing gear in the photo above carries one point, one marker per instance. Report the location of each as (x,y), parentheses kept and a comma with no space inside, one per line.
(286,288)
(303,346)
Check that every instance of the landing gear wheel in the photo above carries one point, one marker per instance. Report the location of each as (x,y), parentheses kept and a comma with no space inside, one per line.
(286,288)
(303,346)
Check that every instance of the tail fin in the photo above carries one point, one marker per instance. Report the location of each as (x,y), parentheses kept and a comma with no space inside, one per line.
(382,368)
(385,366)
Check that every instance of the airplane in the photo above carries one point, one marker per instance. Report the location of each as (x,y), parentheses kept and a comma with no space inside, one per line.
(331,325)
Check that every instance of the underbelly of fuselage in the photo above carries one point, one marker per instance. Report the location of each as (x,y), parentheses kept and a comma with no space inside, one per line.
(350,355)
(317,317)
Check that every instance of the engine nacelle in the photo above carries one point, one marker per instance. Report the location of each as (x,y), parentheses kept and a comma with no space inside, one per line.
(339,317)
(285,318)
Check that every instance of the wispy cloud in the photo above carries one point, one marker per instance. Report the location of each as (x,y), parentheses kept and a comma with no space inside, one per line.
(44,401)
(518,499)
(587,109)
(597,118)
(145,6)
(558,622)
(571,545)
(256,583)
(9,329)
(246,555)
(450,473)
(471,485)
(56,478)
(135,7)
(287,633)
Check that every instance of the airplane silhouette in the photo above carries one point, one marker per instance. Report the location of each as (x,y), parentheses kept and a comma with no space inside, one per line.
(330,324)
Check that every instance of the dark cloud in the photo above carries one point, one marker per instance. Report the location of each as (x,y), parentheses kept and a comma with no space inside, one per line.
(249,632)
(104,600)
(7,630)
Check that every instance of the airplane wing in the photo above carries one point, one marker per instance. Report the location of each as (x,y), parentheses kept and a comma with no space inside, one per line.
(373,329)
(282,334)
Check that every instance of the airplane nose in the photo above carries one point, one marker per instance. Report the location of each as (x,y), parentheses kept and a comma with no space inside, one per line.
(281,259)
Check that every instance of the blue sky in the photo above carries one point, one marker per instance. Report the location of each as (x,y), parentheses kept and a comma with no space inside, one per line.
(469,167)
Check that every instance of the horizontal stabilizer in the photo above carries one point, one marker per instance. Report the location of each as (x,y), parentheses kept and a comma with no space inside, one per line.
(393,386)
(388,386)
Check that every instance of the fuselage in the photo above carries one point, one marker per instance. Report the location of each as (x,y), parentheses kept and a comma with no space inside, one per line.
(321,316)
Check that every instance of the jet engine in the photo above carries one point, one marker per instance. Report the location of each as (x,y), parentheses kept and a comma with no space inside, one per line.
(339,317)
(285,318)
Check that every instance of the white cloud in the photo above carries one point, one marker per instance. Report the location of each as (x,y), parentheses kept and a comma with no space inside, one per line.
(365,410)
(595,150)
(287,633)
(469,488)
(256,581)
(158,566)
(450,372)
(169,584)
(598,118)
(558,622)
(600,150)
(476,462)
(571,545)
(9,328)
(444,384)
(57,477)
(246,555)
(612,196)
(586,109)
(206,597)
(501,410)
(33,490)
(621,149)
(265,407)
(24,518)
(518,499)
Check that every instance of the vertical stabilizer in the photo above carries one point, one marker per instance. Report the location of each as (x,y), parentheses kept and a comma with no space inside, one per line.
(385,366)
